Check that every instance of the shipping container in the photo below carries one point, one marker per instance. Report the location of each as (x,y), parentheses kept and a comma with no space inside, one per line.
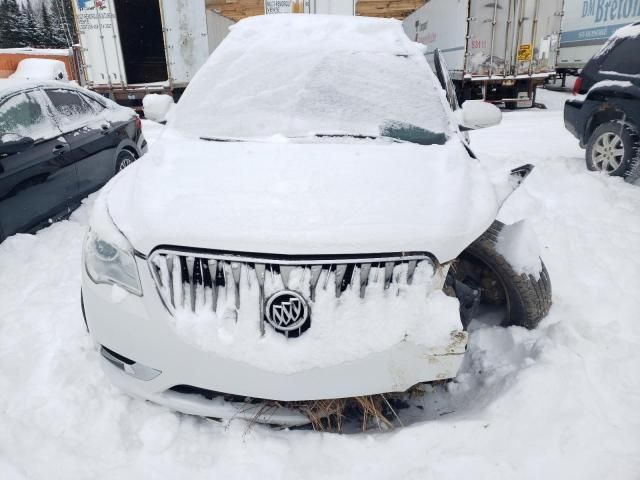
(496,50)
(133,47)
(586,26)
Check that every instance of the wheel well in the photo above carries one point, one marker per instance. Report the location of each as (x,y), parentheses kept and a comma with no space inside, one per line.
(600,117)
(133,151)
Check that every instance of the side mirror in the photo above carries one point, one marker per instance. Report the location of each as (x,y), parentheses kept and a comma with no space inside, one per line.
(476,114)
(11,143)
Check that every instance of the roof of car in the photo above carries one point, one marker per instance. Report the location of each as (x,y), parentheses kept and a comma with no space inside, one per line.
(9,85)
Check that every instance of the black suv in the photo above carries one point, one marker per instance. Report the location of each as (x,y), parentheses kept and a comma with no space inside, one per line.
(607,119)
(58,143)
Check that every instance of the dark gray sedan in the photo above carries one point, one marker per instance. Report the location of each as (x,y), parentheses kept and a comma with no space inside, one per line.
(58,143)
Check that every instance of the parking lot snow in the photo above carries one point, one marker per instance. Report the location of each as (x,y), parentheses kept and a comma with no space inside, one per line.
(561,401)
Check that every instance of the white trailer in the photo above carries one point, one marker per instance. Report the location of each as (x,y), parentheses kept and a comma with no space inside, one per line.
(133,47)
(586,26)
(496,50)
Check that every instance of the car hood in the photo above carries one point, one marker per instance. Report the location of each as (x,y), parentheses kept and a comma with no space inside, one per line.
(304,198)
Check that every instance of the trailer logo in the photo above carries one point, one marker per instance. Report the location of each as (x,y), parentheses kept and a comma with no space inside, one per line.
(91,5)
(610,10)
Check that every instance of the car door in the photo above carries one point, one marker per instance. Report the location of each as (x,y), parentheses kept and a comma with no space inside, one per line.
(36,182)
(90,136)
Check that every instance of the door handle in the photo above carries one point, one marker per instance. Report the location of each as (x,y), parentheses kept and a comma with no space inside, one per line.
(105,128)
(60,148)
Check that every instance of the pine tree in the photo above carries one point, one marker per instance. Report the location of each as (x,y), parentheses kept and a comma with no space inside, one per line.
(45,26)
(61,20)
(31,33)
(12,24)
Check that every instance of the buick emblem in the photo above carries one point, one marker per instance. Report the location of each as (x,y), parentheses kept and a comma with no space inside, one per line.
(288,313)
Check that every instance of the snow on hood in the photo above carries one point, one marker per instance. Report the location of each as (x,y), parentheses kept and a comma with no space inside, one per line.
(296,75)
(304,198)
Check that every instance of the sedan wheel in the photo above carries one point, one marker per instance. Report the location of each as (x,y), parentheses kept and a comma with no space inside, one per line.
(125,158)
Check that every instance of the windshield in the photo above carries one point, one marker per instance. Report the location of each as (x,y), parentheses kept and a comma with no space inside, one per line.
(256,90)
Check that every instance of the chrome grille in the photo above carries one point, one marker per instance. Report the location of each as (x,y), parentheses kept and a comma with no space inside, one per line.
(196,280)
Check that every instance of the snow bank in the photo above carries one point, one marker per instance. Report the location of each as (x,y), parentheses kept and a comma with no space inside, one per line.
(518,244)
(40,69)
(296,75)
(157,107)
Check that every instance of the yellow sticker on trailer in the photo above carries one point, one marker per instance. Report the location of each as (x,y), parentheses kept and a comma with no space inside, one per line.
(525,52)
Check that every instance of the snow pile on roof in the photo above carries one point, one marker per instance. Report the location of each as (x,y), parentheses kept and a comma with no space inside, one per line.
(297,75)
(40,69)
(627,31)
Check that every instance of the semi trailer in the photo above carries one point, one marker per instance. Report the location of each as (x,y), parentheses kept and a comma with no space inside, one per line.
(587,25)
(496,50)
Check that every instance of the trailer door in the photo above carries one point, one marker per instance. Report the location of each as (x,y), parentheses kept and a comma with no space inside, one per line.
(100,40)
(537,36)
(488,37)
(185,24)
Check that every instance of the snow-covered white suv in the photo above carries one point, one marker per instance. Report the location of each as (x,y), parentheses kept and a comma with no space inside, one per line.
(293,233)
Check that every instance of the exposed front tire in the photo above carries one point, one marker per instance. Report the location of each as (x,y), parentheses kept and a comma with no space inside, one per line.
(125,158)
(614,148)
(481,276)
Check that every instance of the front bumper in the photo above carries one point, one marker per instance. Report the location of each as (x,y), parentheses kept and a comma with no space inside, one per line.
(143,331)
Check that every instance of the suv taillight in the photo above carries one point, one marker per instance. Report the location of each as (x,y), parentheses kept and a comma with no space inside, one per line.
(138,123)
(577,85)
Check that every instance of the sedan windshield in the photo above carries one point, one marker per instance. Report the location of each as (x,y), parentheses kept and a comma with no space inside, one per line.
(257,86)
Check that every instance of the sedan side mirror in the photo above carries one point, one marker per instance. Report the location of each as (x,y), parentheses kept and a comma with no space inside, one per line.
(11,143)
(476,114)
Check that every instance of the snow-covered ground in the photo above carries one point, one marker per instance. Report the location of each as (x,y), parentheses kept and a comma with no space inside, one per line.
(558,402)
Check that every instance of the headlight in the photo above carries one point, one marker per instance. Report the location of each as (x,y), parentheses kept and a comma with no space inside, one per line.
(111,261)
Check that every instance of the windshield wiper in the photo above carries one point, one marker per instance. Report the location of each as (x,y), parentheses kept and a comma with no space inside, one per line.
(356,135)
(221,139)
(412,133)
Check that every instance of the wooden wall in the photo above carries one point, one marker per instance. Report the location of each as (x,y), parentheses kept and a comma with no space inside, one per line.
(239,9)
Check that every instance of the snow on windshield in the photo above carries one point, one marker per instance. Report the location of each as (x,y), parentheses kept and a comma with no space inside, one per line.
(297,75)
